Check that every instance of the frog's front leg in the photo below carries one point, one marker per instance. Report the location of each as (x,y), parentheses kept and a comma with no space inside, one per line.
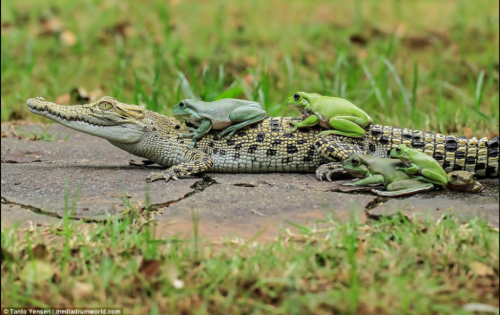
(406,187)
(348,126)
(244,116)
(410,170)
(308,122)
(198,162)
(205,126)
(371,180)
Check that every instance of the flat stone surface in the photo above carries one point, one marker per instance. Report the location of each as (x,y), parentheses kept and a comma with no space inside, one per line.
(245,211)
(14,214)
(302,182)
(96,172)
(434,205)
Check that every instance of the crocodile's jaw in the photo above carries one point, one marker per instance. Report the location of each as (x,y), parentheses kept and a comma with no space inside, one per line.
(81,118)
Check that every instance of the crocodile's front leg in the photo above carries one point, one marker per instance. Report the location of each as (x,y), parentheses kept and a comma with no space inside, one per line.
(337,149)
(198,162)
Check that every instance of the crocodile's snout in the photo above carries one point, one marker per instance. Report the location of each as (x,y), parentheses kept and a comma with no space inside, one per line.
(35,101)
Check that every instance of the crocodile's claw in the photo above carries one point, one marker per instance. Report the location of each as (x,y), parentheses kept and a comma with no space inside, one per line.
(160,175)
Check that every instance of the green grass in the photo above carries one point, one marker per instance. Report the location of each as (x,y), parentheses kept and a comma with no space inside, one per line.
(429,65)
(391,266)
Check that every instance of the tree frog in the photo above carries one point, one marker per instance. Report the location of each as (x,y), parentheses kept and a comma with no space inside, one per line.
(227,115)
(374,170)
(417,162)
(341,116)
(463,181)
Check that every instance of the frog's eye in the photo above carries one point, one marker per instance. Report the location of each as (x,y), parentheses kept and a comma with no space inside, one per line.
(182,104)
(105,105)
(474,177)
(399,150)
(454,177)
(296,97)
(355,161)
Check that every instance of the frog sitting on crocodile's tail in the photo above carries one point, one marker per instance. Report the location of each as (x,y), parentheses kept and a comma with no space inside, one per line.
(374,170)
(229,114)
(338,115)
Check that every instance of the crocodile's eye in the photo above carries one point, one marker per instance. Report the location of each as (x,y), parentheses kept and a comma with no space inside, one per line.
(454,177)
(105,105)
(296,97)
(355,161)
(182,104)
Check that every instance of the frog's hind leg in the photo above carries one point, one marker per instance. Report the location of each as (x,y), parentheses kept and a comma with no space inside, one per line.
(405,188)
(434,177)
(243,117)
(345,126)
(372,180)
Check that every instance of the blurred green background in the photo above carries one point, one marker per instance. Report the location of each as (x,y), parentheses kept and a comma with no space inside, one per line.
(429,65)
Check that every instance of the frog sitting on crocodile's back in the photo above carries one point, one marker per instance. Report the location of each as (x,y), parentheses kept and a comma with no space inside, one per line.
(375,170)
(228,114)
(338,115)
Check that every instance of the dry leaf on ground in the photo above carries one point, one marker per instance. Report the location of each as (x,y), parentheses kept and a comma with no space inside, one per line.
(81,290)
(481,269)
(68,38)
(40,251)
(149,268)
(37,271)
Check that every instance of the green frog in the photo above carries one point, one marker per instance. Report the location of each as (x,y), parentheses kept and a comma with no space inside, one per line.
(420,165)
(228,115)
(463,181)
(374,170)
(338,115)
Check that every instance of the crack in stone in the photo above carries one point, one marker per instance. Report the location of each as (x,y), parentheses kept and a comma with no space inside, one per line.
(377,201)
(19,162)
(197,187)
(50,214)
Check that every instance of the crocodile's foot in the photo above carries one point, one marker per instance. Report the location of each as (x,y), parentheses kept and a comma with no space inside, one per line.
(160,175)
(328,170)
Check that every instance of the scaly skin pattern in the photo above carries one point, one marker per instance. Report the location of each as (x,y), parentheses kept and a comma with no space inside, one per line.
(266,146)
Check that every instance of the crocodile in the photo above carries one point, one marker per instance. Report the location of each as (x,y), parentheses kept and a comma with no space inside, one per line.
(267,146)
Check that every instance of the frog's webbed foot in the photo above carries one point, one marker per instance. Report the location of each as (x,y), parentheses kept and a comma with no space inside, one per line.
(349,184)
(186,135)
(193,143)
(329,170)
(404,188)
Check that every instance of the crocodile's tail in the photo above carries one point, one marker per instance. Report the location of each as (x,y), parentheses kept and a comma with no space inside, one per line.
(453,153)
